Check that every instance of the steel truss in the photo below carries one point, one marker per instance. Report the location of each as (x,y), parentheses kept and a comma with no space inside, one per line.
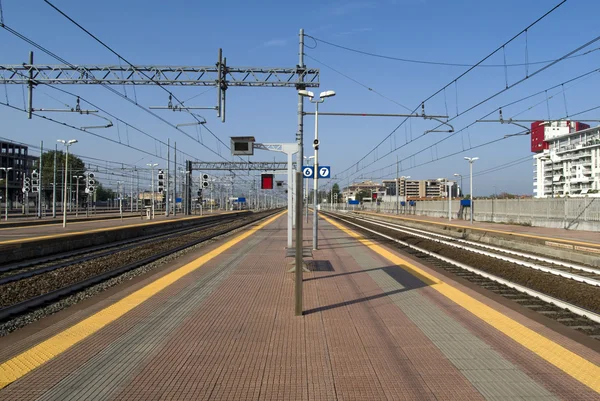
(236,166)
(157,75)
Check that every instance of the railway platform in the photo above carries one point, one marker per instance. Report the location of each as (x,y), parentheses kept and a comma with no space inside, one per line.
(585,238)
(13,235)
(219,324)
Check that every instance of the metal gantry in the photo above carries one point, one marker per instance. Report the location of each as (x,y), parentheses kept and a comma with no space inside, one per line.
(235,166)
(220,76)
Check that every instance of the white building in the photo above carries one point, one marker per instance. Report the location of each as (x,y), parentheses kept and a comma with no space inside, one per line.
(571,163)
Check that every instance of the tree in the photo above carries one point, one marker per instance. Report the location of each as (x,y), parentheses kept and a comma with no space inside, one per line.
(362,194)
(103,194)
(76,167)
(335,190)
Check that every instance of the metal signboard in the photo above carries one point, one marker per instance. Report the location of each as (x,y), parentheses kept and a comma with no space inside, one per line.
(308,171)
(353,202)
(324,171)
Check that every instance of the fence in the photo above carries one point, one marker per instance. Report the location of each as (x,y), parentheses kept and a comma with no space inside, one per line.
(568,213)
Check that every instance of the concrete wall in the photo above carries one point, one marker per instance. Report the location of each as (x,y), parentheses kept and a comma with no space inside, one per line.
(569,213)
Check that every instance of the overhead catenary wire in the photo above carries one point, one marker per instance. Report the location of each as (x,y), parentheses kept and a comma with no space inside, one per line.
(455,80)
(487,99)
(442,63)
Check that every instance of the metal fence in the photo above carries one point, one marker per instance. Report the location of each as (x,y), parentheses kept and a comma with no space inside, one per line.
(569,213)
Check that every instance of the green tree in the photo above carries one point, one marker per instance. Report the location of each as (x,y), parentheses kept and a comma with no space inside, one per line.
(76,167)
(103,194)
(335,190)
(362,194)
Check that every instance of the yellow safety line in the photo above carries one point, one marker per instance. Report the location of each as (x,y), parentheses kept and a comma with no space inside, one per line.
(491,230)
(60,223)
(574,365)
(102,229)
(34,357)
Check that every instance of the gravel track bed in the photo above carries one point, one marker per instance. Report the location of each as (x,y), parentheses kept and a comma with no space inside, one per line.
(35,315)
(18,291)
(571,291)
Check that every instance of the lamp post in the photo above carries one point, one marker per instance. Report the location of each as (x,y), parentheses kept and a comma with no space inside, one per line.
(309,158)
(321,99)
(471,160)
(6,170)
(119,191)
(405,178)
(77,177)
(66,144)
(461,184)
(152,165)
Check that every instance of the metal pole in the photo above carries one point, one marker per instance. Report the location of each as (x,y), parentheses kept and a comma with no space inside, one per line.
(449,201)
(40,186)
(6,195)
(131,194)
(167,203)
(300,134)
(54,184)
(77,198)
(175,179)
(120,184)
(397,188)
(152,187)
(30,87)
(290,200)
(471,188)
(316,181)
(65,193)
(298,267)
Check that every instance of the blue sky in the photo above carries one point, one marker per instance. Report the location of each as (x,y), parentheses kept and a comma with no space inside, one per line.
(266,34)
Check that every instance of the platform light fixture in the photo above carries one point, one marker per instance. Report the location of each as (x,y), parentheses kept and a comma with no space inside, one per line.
(316,143)
(471,160)
(67,144)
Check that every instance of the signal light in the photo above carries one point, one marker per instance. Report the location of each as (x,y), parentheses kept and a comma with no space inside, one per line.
(266,181)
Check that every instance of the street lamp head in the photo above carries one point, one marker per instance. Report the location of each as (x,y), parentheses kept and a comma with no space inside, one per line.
(71,141)
(306,93)
(327,94)
(456,175)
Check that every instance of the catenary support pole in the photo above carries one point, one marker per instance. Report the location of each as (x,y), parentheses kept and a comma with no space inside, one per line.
(175,179)
(289,198)
(40,178)
(298,267)
(300,134)
(316,183)
(167,193)
(397,188)
(54,184)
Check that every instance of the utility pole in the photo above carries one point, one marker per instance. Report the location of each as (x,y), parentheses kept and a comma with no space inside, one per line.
(40,186)
(167,193)
(300,135)
(54,184)
(397,187)
(174,179)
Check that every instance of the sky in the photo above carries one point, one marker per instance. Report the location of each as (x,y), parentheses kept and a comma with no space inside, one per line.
(265,34)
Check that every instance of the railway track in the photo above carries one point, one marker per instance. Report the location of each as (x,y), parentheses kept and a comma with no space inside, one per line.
(563,291)
(33,284)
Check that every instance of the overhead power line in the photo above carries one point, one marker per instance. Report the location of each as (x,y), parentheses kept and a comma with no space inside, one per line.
(442,63)
(455,80)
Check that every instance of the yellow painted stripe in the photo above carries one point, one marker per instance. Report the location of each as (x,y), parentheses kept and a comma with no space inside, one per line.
(490,230)
(60,223)
(103,229)
(574,365)
(34,357)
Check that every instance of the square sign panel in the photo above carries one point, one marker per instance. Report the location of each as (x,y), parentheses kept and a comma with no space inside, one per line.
(266,181)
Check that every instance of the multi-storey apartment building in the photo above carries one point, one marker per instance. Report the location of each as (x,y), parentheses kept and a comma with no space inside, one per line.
(569,161)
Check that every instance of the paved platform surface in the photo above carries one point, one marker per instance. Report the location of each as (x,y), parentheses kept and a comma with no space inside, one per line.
(371,330)
(591,237)
(28,232)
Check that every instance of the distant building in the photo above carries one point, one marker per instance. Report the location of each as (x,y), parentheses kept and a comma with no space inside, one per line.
(568,163)
(15,156)
(417,189)
(350,192)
